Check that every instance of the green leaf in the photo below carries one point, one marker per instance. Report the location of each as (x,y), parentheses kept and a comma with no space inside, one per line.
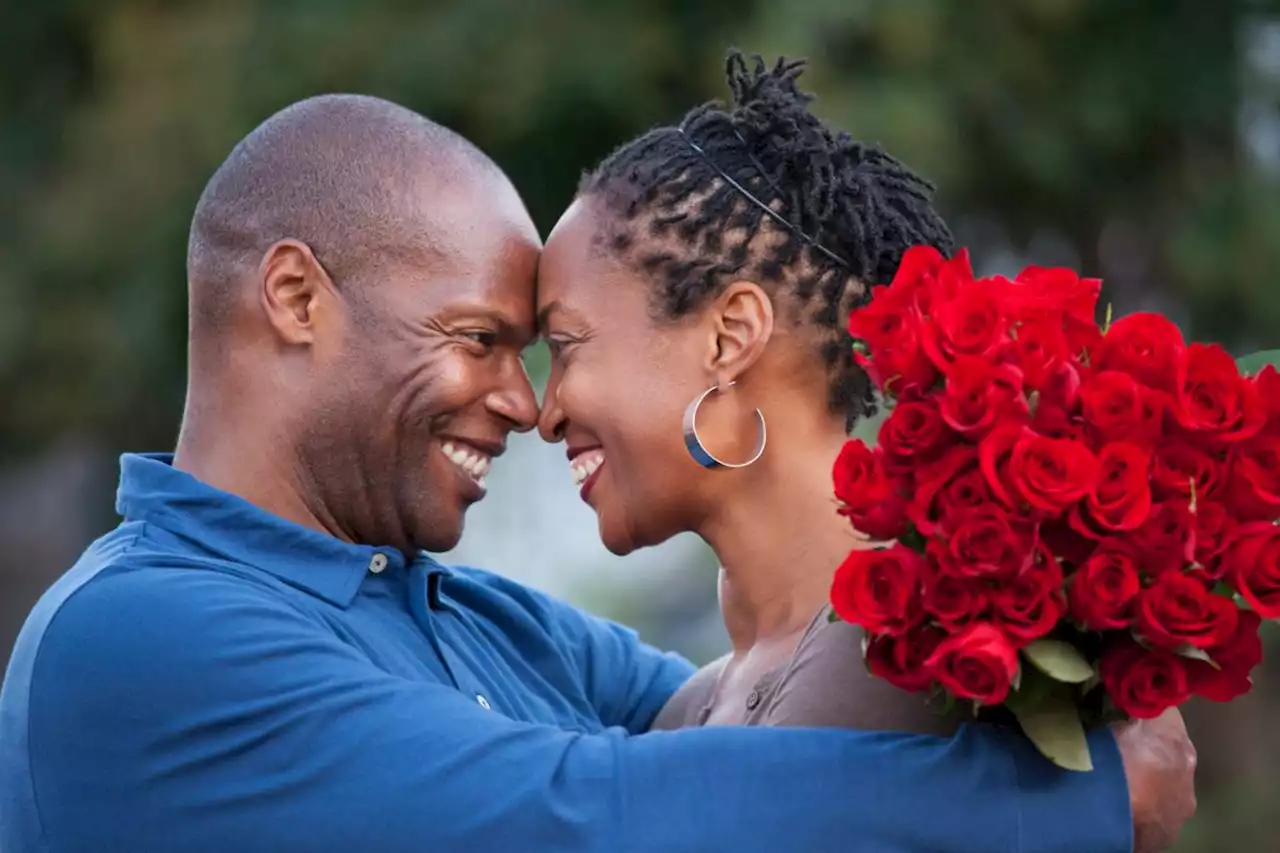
(1054,726)
(914,540)
(1254,362)
(1192,653)
(1060,661)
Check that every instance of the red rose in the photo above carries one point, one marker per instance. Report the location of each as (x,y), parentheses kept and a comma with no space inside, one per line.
(1117,408)
(1177,611)
(1029,606)
(979,394)
(926,510)
(1082,338)
(879,589)
(1105,587)
(1228,676)
(966,492)
(925,276)
(1147,346)
(1121,499)
(1036,347)
(1179,463)
(1212,398)
(983,543)
(1253,480)
(913,435)
(1057,402)
(891,327)
(954,601)
(995,454)
(978,664)
(966,323)
(1166,541)
(1061,298)
(1215,529)
(1253,565)
(903,661)
(1267,383)
(869,498)
(1052,473)
(1054,293)
(1142,683)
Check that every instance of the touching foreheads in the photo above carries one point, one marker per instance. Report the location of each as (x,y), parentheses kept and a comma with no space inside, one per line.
(344,174)
(687,206)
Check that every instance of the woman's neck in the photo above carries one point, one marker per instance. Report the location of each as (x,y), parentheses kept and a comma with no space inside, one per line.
(779,545)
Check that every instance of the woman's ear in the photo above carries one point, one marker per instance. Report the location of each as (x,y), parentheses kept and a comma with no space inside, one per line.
(741,324)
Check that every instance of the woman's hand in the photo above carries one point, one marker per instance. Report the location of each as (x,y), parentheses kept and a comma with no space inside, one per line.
(1160,764)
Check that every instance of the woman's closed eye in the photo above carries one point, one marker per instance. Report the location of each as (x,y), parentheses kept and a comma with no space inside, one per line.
(560,345)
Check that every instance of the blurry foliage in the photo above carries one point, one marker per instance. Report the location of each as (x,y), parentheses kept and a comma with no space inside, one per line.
(1138,141)
(1104,135)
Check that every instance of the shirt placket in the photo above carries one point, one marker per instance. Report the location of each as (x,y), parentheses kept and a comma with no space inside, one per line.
(420,595)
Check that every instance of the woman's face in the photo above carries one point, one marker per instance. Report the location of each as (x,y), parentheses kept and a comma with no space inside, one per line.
(620,382)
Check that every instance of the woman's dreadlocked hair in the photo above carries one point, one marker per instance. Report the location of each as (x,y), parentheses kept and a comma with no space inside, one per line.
(678,219)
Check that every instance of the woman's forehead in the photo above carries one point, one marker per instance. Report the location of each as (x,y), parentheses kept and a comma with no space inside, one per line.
(569,256)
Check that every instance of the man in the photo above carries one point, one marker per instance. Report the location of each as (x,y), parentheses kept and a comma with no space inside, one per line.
(261,660)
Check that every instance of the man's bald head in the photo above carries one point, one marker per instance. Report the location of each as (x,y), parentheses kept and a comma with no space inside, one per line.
(345,174)
(362,288)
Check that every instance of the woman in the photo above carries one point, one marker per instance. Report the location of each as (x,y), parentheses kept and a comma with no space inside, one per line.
(701,278)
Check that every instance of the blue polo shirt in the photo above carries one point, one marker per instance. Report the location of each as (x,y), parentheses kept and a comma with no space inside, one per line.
(210,678)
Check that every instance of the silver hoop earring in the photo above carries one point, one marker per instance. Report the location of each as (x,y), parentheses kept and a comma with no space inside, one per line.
(699,451)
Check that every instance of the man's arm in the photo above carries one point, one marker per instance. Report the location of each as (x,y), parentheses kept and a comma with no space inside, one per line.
(626,680)
(188,711)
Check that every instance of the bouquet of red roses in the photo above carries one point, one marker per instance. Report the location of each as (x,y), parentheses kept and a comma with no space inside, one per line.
(1081,520)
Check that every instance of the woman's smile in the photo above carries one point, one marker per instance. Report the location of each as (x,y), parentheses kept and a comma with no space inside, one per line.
(585,464)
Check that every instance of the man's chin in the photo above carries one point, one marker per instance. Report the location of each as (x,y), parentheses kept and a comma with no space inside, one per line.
(437,534)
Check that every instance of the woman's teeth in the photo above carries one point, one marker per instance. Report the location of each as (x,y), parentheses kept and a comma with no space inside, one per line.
(584,465)
(475,464)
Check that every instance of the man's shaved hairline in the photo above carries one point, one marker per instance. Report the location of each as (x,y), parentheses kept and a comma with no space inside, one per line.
(342,174)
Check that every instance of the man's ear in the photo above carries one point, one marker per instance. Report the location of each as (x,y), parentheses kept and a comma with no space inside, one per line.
(292,284)
(741,325)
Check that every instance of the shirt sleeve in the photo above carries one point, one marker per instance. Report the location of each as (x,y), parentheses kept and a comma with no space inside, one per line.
(627,681)
(190,711)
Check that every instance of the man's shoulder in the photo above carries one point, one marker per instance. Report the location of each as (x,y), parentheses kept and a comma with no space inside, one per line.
(126,581)
(485,589)
(520,609)
(119,623)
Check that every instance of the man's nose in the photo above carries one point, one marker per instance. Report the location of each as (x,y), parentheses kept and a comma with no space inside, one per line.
(515,401)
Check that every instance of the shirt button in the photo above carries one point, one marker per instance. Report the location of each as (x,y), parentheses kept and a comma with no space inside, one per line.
(753,701)
(484,703)
(378,563)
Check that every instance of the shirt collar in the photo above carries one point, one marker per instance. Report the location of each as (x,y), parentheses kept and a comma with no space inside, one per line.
(152,490)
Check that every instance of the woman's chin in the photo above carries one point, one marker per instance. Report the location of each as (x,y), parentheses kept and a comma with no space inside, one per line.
(621,539)
(618,537)
(618,543)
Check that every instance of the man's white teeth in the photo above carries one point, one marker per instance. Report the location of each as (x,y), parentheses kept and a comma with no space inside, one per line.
(585,465)
(474,463)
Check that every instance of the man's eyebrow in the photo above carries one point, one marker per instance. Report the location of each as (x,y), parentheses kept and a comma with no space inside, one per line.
(508,329)
(515,332)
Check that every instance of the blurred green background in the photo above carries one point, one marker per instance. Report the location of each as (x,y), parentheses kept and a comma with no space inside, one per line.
(1136,141)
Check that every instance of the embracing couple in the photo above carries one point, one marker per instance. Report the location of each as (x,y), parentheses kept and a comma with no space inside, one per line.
(262,658)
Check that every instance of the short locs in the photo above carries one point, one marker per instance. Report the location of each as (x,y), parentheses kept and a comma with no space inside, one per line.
(676,218)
